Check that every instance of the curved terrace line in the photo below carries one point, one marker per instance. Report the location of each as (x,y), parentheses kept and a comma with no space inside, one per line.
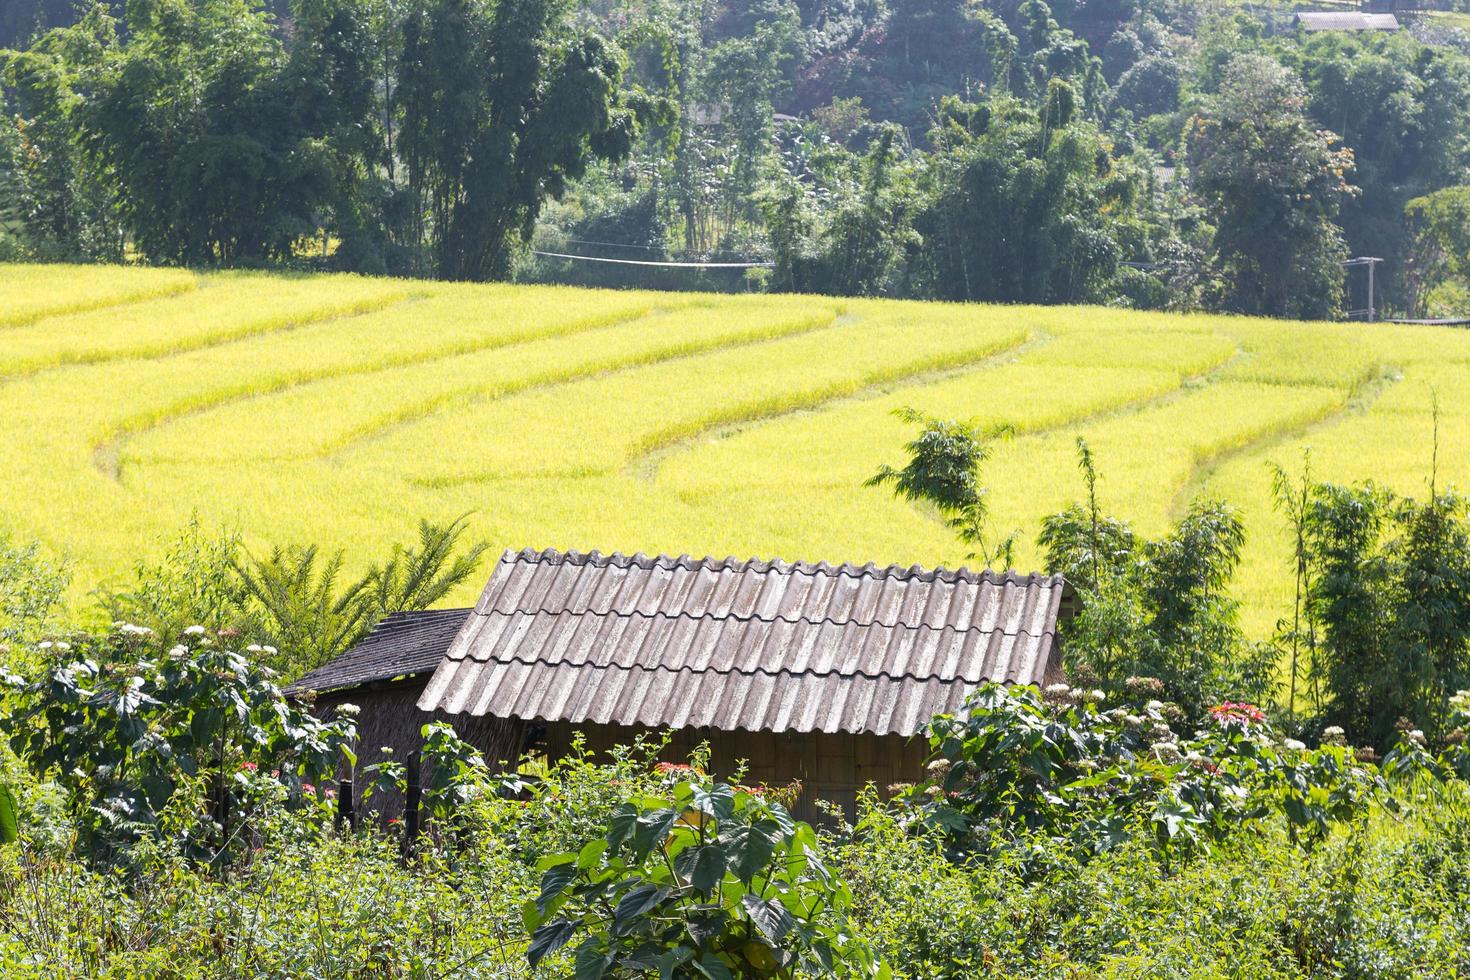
(110,441)
(651,452)
(164,351)
(745,413)
(652,461)
(1356,401)
(101,303)
(478,394)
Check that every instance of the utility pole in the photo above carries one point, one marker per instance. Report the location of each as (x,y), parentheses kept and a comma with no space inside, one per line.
(1369,313)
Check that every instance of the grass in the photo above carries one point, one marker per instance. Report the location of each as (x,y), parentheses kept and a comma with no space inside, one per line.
(339,409)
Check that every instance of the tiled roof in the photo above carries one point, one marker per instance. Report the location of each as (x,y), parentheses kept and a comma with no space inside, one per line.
(1346,21)
(403,644)
(761,646)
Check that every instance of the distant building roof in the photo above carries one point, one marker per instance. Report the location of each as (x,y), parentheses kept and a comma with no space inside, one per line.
(753,645)
(402,645)
(1345,21)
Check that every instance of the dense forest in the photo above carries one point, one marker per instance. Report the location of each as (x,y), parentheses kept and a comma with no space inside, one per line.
(1162,154)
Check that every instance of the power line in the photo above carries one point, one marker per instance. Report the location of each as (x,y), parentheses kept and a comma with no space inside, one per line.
(663,265)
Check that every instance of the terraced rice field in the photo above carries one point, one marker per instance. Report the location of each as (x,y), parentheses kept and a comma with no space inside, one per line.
(338,410)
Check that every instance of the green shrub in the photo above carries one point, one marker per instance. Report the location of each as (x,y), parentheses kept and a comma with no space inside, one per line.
(188,745)
(1020,767)
(706,880)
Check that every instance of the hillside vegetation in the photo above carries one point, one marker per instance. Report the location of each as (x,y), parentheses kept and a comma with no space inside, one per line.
(333,409)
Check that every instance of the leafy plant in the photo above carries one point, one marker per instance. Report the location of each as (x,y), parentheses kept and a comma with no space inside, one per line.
(31,591)
(706,881)
(1020,767)
(944,471)
(9,816)
(148,747)
(1157,608)
(419,577)
(300,606)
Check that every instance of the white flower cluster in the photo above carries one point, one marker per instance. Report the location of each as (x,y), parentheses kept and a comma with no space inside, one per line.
(1168,752)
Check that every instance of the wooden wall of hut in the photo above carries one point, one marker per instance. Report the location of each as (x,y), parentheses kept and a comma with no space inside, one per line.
(831,767)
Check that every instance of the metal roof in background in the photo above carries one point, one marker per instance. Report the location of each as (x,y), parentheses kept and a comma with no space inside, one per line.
(403,644)
(754,645)
(1346,21)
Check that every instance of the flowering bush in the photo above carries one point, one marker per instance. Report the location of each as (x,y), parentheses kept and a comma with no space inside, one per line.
(705,880)
(1025,764)
(185,745)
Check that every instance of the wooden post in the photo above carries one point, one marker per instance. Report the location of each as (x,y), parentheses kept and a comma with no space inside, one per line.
(411,802)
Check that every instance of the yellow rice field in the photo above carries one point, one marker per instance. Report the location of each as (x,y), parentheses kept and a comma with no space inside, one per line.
(338,410)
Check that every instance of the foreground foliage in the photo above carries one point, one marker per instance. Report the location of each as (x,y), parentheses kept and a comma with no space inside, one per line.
(704,880)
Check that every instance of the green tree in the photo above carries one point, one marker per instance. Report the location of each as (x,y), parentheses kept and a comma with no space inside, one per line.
(226,149)
(1403,107)
(502,104)
(1272,183)
(1439,250)
(58,203)
(1022,206)
(944,471)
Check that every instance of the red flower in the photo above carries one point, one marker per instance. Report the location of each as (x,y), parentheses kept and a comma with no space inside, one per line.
(249,766)
(670,768)
(1237,713)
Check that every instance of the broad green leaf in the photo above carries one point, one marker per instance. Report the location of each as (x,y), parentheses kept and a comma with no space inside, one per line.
(549,938)
(650,829)
(620,825)
(635,903)
(771,918)
(9,816)
(751,848)
(714,969)
(708,869)
(554,882)
(592,962)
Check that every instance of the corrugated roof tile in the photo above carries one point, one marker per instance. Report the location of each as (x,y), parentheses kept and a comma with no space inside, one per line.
(756,645)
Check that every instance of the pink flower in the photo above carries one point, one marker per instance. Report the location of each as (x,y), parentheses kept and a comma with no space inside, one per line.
(1237,713)
(308,788)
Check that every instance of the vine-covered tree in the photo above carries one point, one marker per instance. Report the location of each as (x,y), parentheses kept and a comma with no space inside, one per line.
(226,148)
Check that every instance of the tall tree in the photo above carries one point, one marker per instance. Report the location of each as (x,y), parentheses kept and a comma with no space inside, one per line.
(1272,183)
(502,104)
(59,203)
(1023,205)
(225,149)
